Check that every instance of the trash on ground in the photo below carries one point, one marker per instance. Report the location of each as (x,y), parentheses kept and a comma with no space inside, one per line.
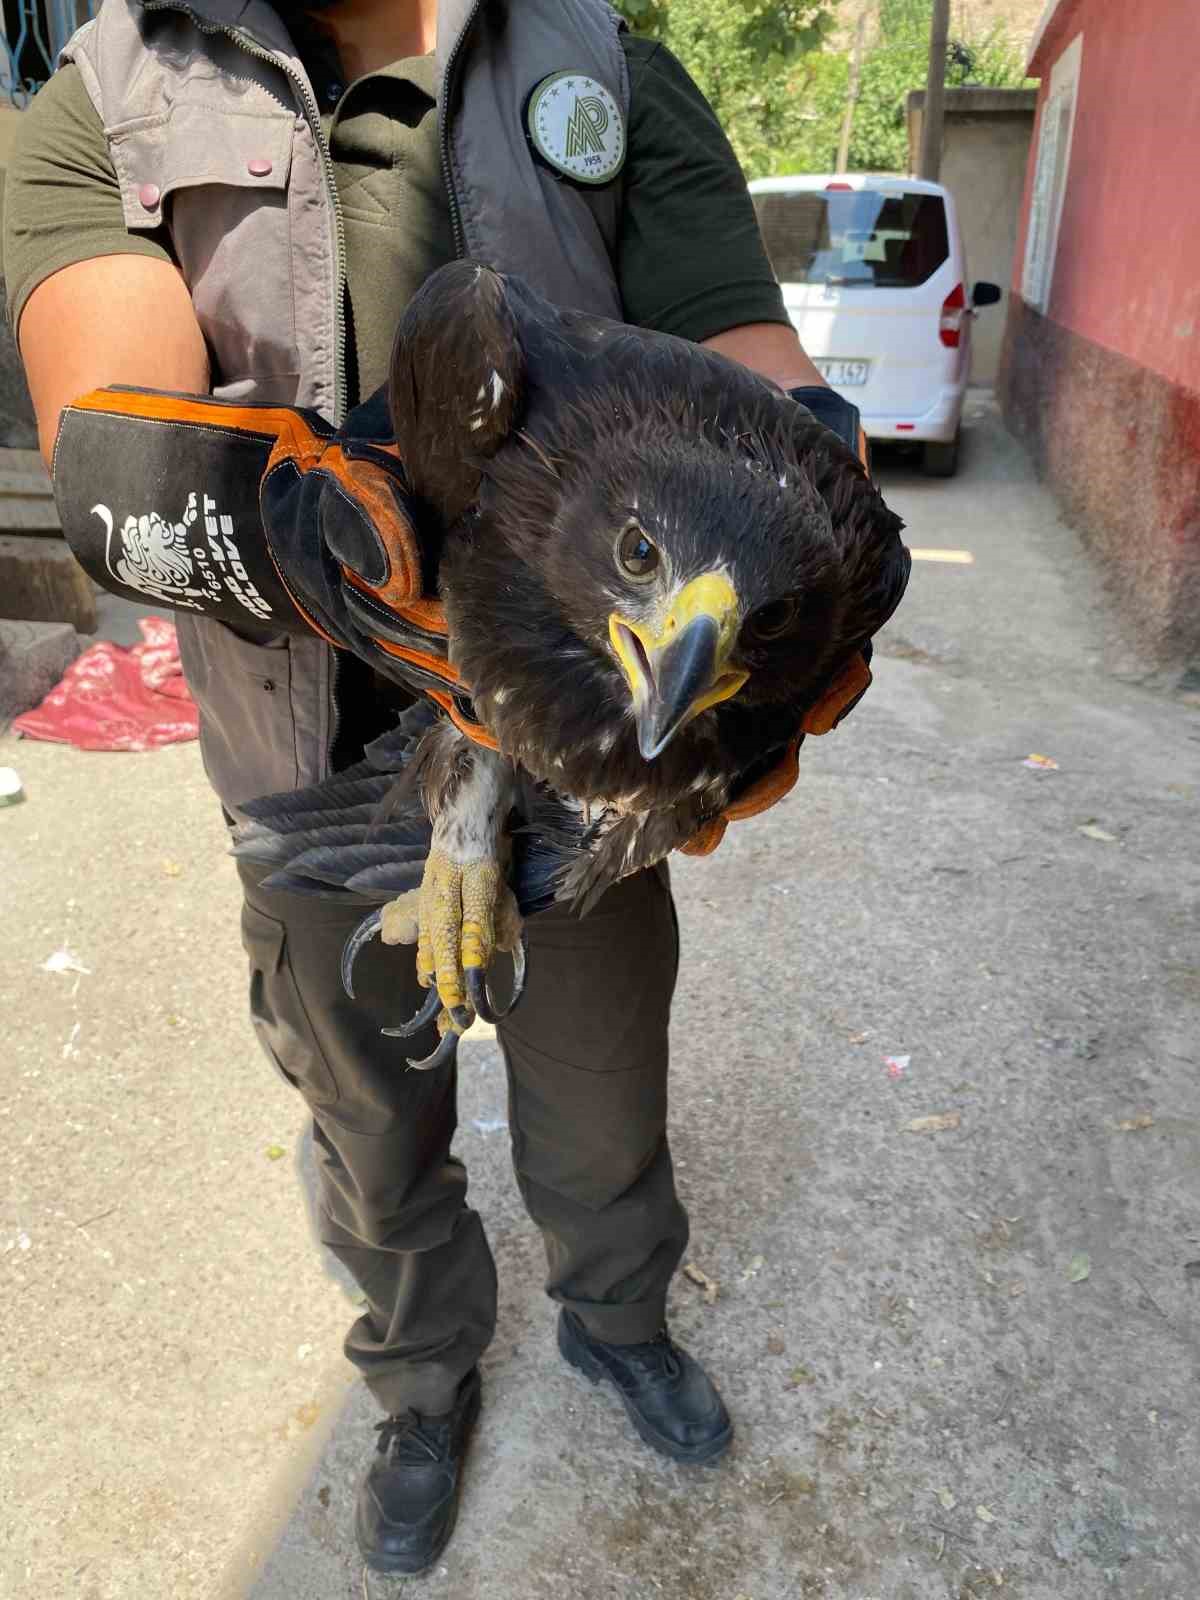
(799,1376)
(984,1514)
(701,1279)
(489,1124)
(11,792)
(946,1499)
(275,1152)
(172,869)
(64,961)
(941,1122)
(1079,1267)
(1093,831)
(859,1038)
(753,1270)
(1040,763)
(70,1049)
(1136,1124)
(896,1066)
(775,1345)
(111,698)
(1017,1287)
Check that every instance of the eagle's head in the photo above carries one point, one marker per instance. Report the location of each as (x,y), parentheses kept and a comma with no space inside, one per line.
(667,581)
(659,562)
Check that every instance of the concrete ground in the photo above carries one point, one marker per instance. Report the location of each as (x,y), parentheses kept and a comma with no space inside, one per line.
(961,1354)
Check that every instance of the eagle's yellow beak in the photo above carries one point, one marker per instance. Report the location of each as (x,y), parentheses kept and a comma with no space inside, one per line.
(682,668)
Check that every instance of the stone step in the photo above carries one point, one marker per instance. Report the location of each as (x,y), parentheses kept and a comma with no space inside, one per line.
(26,497)
(33,657)
(41,581)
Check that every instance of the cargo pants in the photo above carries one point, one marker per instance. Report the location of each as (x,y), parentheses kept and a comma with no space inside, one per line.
(586,1057)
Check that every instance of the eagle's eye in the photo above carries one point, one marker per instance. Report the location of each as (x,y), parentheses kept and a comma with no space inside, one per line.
(773,620)
(635,554)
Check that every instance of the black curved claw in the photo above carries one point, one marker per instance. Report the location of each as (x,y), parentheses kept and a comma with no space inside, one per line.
(444,1053)
(480,995)
(367,930)
(430,1007)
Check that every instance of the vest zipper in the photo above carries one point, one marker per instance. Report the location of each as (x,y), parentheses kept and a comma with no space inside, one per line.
(460,243)
(312,116)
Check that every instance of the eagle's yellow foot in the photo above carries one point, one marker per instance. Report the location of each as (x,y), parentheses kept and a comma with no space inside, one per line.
(463,913)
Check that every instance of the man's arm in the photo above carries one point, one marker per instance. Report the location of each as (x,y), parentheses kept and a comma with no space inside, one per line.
(770,349)
(114,319)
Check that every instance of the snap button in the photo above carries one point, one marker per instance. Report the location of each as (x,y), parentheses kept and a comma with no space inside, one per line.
(258,168)
(149,194)
(269,685)
(333,92)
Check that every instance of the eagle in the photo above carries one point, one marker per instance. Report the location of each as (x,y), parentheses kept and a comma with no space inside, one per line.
(653,564)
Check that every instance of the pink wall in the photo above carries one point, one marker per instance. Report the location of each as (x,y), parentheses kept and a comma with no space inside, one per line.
(1127,269)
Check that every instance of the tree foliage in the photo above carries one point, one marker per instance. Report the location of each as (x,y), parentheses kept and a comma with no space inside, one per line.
(898,61)
(780,89)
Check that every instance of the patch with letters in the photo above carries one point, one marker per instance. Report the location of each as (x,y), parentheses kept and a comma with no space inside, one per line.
(576,126)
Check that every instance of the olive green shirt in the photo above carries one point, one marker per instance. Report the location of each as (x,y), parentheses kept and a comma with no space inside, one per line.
(689,257)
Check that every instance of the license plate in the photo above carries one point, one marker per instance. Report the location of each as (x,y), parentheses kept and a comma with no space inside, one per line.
(844,374)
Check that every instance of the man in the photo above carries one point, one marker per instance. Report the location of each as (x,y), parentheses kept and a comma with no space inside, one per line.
(240,200)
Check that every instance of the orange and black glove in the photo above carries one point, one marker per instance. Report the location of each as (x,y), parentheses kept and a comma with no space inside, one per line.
(253,515)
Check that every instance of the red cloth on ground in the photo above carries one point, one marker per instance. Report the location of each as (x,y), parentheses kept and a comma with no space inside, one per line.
(111,698)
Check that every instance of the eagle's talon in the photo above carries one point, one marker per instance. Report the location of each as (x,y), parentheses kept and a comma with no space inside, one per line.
(367,929)
(445,1052)
(479,992)
(429,1010)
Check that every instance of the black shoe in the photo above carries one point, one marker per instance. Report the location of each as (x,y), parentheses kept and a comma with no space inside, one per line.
(408,1501)
(670,1398)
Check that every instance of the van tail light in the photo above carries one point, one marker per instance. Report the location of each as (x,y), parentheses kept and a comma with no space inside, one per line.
(848,187)
(954,308)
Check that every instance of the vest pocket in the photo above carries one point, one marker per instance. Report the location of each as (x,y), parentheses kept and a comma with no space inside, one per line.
(244,690)
(217,183)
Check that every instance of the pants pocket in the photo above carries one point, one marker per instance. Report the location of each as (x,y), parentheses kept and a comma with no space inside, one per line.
(278,1013)
(587,1048)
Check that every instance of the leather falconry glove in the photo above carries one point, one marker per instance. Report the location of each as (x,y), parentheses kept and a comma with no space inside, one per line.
(263,517)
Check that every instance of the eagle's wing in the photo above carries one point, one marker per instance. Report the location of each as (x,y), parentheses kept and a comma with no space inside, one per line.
(457,383)
(364,833)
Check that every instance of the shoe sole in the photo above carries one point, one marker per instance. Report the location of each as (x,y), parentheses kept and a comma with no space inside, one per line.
(395,1566)
(590,1368)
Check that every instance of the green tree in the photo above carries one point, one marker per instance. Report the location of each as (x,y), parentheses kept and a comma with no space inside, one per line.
(897,63)
(780,91)
(744,55)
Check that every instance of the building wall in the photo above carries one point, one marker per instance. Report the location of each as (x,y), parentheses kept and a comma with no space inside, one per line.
(1126,270)
(1103,382)
(985,148)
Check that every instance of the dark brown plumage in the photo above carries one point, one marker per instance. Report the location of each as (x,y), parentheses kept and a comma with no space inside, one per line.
(652,562)
(535,436)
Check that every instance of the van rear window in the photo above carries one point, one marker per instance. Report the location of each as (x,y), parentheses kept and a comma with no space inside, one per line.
(855,238)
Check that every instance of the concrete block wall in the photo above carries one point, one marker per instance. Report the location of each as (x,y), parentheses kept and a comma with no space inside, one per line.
(984,154)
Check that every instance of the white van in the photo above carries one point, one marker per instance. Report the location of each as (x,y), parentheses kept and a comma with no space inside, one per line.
(875,281)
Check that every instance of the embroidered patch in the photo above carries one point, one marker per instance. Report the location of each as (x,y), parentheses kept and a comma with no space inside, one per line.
(576,126)
(178,563)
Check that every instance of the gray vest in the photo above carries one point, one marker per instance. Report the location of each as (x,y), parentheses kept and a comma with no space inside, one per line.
(213,128)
